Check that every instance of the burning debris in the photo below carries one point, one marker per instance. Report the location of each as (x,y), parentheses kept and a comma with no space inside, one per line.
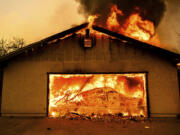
(91,96)
(136,19)
(105,117)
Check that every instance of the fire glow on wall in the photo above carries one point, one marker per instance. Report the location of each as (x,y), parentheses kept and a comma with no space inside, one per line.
(98,94)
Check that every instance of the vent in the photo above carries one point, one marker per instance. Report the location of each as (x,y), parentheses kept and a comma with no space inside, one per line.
(87,39)
(87,42)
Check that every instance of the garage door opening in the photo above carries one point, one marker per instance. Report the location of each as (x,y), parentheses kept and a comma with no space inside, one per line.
(93,95)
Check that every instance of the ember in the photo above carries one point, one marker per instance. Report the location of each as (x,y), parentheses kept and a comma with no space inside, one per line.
(94,95)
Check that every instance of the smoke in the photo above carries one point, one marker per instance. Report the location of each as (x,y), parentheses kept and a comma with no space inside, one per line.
(169,28)
(152,10)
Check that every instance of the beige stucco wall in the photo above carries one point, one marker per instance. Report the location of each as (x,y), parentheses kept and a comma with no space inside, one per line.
(25,77)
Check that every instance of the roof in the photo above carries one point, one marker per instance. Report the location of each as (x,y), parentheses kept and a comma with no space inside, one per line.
(173,56)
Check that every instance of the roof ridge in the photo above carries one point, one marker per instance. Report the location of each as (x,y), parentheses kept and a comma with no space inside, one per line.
(62,34)
(123,37)
(43,41)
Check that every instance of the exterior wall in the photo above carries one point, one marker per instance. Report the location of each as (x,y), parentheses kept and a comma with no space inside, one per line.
(25,77)
(1,83)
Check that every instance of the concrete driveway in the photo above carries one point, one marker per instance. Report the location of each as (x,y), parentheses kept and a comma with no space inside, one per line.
(50,126)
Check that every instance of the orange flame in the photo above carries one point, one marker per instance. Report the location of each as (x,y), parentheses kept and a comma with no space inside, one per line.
(98,94)
(112,22)
(134,27)
(91,20)
(139,29)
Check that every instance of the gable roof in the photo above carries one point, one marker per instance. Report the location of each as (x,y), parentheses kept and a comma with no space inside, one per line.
(173,56)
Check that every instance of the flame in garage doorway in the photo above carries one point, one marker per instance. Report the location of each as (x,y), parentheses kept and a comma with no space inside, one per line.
(97,94)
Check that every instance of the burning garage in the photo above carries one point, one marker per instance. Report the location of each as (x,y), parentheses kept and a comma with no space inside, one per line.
(113,68)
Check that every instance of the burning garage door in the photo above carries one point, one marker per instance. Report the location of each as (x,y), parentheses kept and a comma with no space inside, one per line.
(97,94)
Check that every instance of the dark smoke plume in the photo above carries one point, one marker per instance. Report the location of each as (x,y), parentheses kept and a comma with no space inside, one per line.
(152,10)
